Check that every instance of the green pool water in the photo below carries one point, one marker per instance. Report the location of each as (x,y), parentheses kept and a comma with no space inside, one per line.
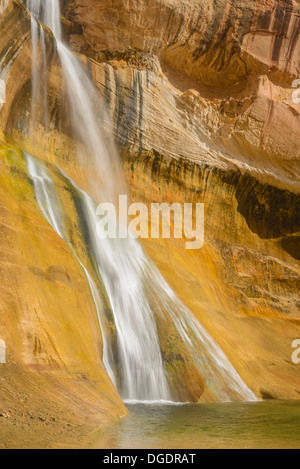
(269,424)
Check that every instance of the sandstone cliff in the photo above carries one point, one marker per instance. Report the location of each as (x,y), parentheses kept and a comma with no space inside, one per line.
(199,95)
(232,64)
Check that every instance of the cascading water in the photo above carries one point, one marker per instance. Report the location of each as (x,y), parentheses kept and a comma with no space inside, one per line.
(142,371)
(39,63)
(134,287)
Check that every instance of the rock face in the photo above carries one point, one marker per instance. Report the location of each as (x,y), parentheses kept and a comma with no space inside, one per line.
(208,42)
(199,99)
(233,64)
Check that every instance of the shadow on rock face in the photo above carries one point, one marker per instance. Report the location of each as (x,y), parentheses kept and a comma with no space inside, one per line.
(291,245)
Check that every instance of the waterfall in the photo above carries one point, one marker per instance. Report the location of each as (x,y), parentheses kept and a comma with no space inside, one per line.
(39,65)
(48,13)
(132,283)
(142,371)
(3,5)
(35,72)
(45,195)
(134,287)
